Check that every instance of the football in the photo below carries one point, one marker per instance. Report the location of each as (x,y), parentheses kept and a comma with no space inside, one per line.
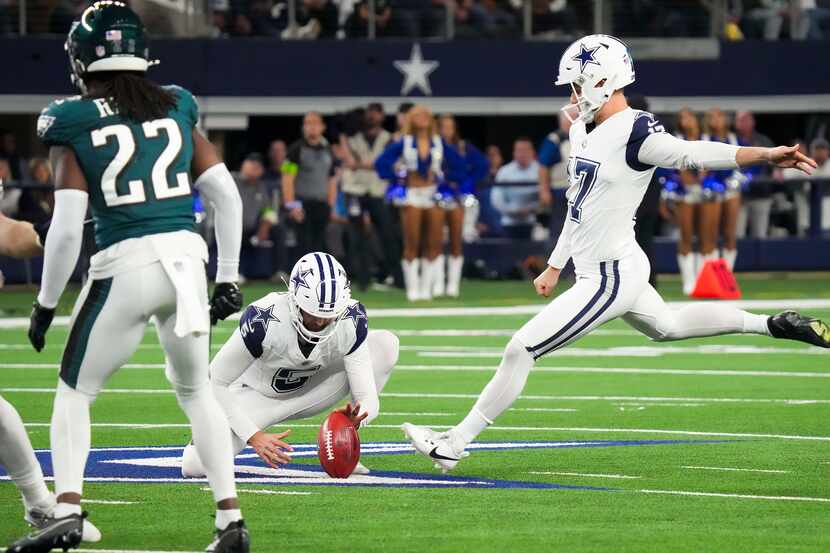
(338,445)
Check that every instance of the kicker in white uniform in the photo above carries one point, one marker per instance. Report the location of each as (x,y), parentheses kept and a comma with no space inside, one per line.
(297,354)
(614,151)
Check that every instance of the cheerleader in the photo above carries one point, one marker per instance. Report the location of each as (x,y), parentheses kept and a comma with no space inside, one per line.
(424,160)
(688,208)
(454,198)
(726,191)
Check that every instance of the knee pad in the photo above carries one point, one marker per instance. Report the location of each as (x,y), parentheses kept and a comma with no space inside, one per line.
(516,355)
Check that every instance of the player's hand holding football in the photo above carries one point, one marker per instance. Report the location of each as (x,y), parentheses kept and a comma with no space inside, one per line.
(271,448)
(353,412)
(789,156)
(546,282)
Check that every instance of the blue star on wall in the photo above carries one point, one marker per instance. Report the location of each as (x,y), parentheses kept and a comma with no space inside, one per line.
(355,313)
(585,56)
(299,278)
(264,317)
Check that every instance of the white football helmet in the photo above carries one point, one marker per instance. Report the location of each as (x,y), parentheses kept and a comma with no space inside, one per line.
(598,65)
(319,286)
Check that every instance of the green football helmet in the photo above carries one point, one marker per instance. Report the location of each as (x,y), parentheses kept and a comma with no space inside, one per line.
(108,37)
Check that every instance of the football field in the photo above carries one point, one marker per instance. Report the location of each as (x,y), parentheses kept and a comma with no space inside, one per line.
(617,444)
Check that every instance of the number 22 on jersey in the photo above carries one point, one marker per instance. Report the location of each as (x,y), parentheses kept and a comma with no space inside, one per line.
(585,175)
(126,147)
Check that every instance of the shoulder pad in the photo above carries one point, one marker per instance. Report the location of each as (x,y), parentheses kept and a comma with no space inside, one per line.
(356,314)
(186,103)
(61,120)
(645,124)
(254,325)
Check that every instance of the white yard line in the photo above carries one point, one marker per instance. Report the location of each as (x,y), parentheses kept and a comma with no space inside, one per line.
(622,351)
(732,469)
(265,492)
(489,369)
(708,434)
(619,370)
(738,496)
(505,332)
(545,409)
(660,404)
(108,502)
(23,322)
(427,395)
(586,475)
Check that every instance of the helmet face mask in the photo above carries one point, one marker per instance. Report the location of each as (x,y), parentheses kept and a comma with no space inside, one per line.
(595,67)
(109,36)
(319,288)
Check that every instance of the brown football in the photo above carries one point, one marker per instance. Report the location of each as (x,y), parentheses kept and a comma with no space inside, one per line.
(338,445)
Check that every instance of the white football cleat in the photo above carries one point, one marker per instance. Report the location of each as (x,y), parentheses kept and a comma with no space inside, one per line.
(360,469)
(437,446)
(39,519)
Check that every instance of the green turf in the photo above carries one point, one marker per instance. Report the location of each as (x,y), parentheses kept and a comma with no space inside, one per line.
(176,517)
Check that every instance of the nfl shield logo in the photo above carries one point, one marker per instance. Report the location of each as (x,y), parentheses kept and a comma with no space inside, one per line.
(100,51)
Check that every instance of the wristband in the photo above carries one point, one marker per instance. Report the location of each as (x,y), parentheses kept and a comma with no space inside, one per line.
(296,204)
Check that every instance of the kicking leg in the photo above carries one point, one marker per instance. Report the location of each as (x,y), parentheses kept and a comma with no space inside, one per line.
(651,316)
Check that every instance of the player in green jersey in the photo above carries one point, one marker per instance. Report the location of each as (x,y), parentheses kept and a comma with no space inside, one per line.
(128,149)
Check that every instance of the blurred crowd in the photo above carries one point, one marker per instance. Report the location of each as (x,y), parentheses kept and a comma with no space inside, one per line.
(395,196)
(551,19)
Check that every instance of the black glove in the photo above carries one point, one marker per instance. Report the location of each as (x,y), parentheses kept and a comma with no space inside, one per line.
(39,323)
(226,300)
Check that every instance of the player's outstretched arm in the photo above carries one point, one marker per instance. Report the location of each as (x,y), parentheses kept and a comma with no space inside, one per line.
(63,243)
(785,157)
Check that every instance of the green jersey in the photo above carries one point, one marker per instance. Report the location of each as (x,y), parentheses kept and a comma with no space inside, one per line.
(138,174)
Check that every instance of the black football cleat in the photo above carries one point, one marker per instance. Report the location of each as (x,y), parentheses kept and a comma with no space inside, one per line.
(57,533)
(794,326)
(233,539)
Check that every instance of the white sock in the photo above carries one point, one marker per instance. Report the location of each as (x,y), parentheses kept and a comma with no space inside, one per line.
(70,437)
(427,278)
(756,324)
(411,279)
(226,516)
(500,393)
(66,509)
(730,256)
(191,464)
(439,286)
(212,437)
(687,275)
(18,458)
(456,264)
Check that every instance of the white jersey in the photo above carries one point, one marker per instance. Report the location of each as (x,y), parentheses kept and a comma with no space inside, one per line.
(609,170)
(264,354)
(279,367)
